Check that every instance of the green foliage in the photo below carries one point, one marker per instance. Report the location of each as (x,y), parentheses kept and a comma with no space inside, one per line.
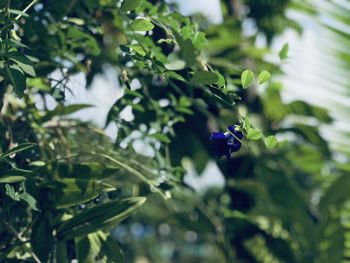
(98,217)
(271,142)
(264,76)
(283,54)
(254,134)
(247,78)
(204,78)
(17,149)
(67,191)
(129,5)
(141,24)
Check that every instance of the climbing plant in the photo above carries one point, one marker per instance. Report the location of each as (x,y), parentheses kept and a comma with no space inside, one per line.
(198,94)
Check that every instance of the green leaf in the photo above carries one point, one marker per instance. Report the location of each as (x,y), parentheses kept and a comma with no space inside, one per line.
(78,191)
(22,61)
(86,248)
(98,217)
(247,78)
(12,179)
(19,172)
(79,39)
(271,142)
(61,252)
(222,97)
(174,75)
(19,148)
(221,80)
(254,134)
(138,49)
(245,124)
(264,76)
(41,238)
(188,51)
(130,169)
(283,54)
(10,192)
(18,12)
(76,21)
(83,170)
(26,197)
(62,110)
(129,5)
(161,137)
(30,200)
(185,101)
(98,246)
(39,83)
(141,24)
(12,42)
(110,248)
(178,64)
(17,78)
(204,78)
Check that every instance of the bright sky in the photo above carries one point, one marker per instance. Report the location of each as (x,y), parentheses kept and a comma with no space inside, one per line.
(210,8)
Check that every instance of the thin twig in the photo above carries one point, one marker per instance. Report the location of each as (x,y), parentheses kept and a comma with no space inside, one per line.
(8,4)
(26,9)
(134,172)
(18,236)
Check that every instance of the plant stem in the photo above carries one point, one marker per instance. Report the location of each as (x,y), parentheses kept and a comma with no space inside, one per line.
(17,235)
(26,9)
(8,4)
(134,172)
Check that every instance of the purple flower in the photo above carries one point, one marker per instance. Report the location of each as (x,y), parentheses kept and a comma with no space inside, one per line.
(226,143)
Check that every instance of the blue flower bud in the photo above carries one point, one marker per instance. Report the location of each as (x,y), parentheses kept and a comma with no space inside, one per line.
(226,143)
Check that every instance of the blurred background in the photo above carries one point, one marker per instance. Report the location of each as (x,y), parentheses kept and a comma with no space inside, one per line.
(148,130)
(316,70)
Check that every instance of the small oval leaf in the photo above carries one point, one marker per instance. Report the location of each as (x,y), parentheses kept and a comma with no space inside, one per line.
(204,78)
(271,142)
(247,78)
(141,24)
(264,76)
(283,54)
(254,134)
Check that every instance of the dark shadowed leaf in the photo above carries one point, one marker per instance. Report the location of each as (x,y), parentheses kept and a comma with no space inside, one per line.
(12,179)
(204,78)
(98,217)
(62,110)
(283,54)
(17,149)
(264,76)
(78,191)
(17,79)
(129,5)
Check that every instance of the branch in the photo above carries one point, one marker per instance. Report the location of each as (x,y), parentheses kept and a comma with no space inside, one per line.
(26,9)
(18,236)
